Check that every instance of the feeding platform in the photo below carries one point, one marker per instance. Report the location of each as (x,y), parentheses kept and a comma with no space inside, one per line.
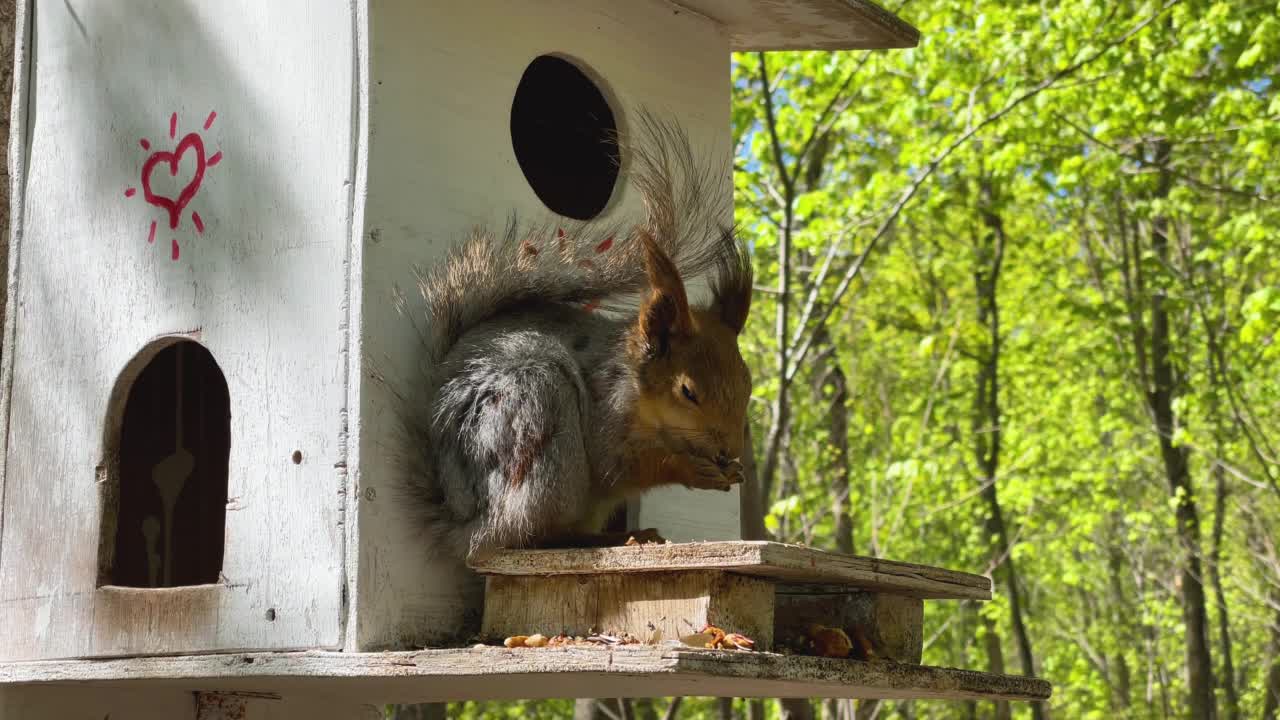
(660,594)
(776,595)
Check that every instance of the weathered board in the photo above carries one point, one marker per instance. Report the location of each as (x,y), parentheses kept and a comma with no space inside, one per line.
(806,24)
(650,607)
(248,257)
(779,561)
(487,673)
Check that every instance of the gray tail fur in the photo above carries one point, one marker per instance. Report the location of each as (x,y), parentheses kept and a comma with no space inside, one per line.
(585,262)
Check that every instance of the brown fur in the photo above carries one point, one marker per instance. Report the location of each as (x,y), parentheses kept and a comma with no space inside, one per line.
(675,349)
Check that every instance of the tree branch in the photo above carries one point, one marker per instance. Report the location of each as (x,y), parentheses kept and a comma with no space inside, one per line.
(941,157)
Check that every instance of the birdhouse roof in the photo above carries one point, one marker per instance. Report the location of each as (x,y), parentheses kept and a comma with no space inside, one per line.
(806,24)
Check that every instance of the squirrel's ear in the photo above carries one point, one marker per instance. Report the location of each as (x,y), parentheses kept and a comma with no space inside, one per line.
(665,312)
(732,287)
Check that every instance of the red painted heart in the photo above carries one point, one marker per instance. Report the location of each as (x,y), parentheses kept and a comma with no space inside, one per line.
(174,207)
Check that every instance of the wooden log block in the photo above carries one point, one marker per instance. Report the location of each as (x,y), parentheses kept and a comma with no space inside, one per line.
(892,624)
(650,606)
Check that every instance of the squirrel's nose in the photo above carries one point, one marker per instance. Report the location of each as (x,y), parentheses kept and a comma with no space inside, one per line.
(722,459)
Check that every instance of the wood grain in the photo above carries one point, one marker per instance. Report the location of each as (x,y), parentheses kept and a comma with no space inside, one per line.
(262,287)
(806,24)
(652,605)
(791,563)
(498,674)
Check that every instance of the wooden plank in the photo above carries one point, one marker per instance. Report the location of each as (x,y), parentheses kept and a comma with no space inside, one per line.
(260,281)
(791,563)
(806,24)
(651,607)
(488,673)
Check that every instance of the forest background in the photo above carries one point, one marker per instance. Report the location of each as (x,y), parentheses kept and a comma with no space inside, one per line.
(1017,312)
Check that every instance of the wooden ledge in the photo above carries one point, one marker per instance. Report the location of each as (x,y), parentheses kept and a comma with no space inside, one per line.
(806,24)
(775,561)
(489,673)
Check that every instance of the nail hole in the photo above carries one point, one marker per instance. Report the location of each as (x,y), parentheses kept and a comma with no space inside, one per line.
(271,614)
(297,457)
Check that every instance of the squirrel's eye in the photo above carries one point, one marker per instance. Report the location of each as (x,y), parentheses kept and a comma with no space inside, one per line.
(688,394)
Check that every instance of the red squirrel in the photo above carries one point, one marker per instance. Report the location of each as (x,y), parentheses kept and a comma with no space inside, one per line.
(535,417)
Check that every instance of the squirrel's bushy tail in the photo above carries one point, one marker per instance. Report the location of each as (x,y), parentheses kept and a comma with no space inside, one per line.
(684,212)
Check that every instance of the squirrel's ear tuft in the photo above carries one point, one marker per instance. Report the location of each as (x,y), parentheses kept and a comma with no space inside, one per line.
(732,287)
(665,312)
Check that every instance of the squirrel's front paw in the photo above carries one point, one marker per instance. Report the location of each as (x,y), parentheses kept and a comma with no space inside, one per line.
(708,475)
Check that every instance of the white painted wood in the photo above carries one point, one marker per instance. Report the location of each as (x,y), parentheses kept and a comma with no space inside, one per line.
(489,673)
(16,159)
(441,162)
(806,24)
(263,288)
(358,139)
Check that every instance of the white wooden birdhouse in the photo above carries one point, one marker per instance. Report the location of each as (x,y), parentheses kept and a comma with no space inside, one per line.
(213,203)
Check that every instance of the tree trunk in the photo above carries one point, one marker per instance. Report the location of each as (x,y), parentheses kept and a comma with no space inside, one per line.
(781,408)
(867,710)
(420,711)
(995,663)
(751,501)
(987,421)
(968,631)
(1160,400)
(1226,678)
(1271,704)
(836,464)
(644,709)
(589,709)
(794,709)
(1121,614)
(752,524)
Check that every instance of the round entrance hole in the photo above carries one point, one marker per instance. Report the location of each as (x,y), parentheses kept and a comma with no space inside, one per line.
(565,138)
(173,449)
